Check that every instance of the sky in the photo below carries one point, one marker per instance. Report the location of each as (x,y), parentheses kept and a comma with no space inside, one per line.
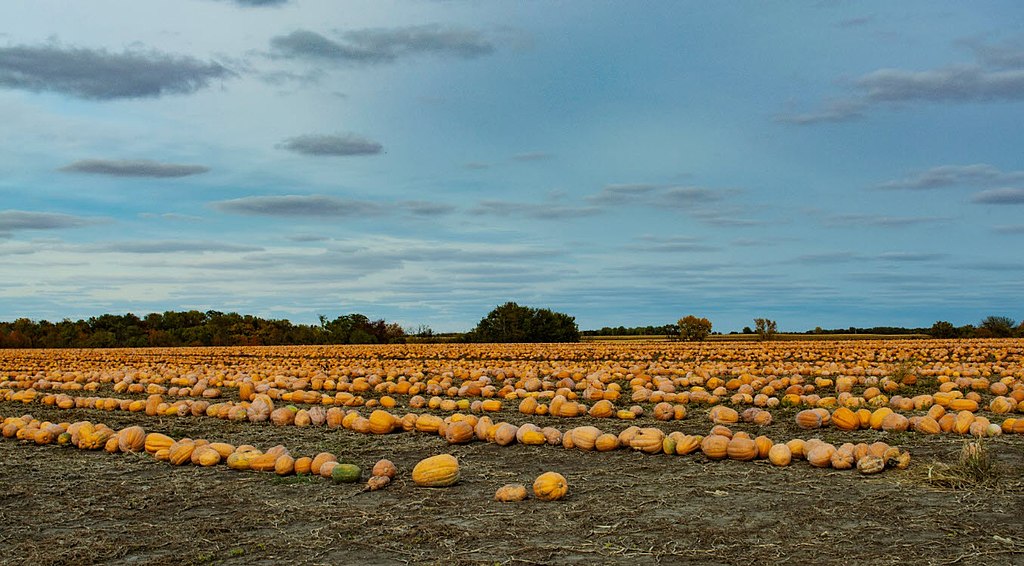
(819,163)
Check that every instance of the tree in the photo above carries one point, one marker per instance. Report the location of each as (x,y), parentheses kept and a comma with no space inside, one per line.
(943,329)
(693,329)
(765,328)
(514,323)
(999,326)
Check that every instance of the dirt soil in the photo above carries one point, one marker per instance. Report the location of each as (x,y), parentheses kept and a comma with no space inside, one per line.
(65,506)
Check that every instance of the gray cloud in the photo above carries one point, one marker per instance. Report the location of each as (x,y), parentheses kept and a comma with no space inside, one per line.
(133,168)
(425,208)
(169,246)
(299,205)
(910,256)
(672,244)
(307,238)
(963,83)
(833,111)
(11,220)
(880,221)
(477,166)
(856,22)
(1010,229)
(622,194)
(370,46)
(329,145)
(1006,55)
(1000,196)
(829,257)
(540,211)
(656,195)
(260,3)
(955,175)
(96,74)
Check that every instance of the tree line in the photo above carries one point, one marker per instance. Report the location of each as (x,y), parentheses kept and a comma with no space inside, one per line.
(193,328)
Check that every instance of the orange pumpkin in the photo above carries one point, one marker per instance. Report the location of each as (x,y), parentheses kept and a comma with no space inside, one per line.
(715,446)
(780,455)
(550,486)
(743,449)
(510,492)
(648,440)
(845,419)
(437,471)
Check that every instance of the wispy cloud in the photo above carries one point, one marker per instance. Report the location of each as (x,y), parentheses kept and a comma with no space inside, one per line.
(671,244)
(331,145)
(11,220)
(1009,229)
(533,156)
(1000,196)
(955,175)
(97,74)
(900,257)
(133,168)
(539,211)
(169,246)
(258,3)
(323,206)
(856,22)
(880,221)
(382,45)
(657,195)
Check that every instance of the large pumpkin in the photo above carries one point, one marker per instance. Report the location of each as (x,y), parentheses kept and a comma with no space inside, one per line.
(131,439)
(550,486)
(743,449)
(715,446)
(437,471)
(649,440)
(845,419)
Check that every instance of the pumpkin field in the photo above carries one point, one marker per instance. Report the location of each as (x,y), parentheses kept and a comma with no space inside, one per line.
(868,451)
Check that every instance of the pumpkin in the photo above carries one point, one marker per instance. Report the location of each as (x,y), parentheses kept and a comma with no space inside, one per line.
(962,422)
(870,464)
(821,455)
(715,446)
(383,422)
(627,434)
(550,486)
(155,441)
(764,445)
(927,425)
(808,419)
(428,423)
(843,459)
(552,435)
(319,460)
(345,473)
(461,432)
(111,446)
(648,440)
(511,492)
(602,409)
(265,462)
(377,482)
(878,449)
(327,469)
(206,456)
(688,444)
(721,430)
(743,449)
(894,422)
(436,471)
(285,465)
(303,465)
(482,426)
(664,411)
(720,414)
(584,437)
(878,416)
(505,434)
(181,452)
(845,419)
(780,455)
(384,467)
(131,439)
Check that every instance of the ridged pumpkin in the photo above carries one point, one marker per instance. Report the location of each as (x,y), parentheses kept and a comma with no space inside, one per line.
(437,471)
(689,444)
(715,446)
(821,455)
(285,465)
(206,456)
(878,416)
(845,419)
(843,459)
(720,414)
(648,440)
(510,492)
(602,409)
(808,419)
(764,445)
(264,462)
(302,465)
(383,422)
(962,422)
(743,449)
(131,439)
(895,422)
(156,441)
(584,437)
(505,434)
(181,452)
(319,460)
(460,432)
(550,486)
(384,467)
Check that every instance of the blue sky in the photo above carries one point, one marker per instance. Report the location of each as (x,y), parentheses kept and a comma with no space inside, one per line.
(820,163)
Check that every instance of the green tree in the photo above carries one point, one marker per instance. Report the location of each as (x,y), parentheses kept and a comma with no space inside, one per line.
(511,323)
(943,329)
(765,328)
(999,326)
(693,329)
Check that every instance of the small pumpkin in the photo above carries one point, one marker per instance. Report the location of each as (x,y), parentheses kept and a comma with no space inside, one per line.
(550,486)
(511,492)
(870,464)
(780,455)
(436,471)
(377,482)
(384,467)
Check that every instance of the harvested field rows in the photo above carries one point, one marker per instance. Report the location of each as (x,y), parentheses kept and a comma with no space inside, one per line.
(613,419)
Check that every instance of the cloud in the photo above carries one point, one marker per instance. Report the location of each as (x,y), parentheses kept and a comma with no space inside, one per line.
(1009,229)
(910,256)
(656,195)
(133,168)
(856,22)
(299,205)
(1000,196)
(321,206)
(671,244)
(375,46)
(169,246)
(955,175)
(880,221)
(477,166)
(11,220)
(1006,55)
(329,145)
(96,74)
(622,194)
(829,257)
(172,216)
(539,211)
(259,3)
(833,111)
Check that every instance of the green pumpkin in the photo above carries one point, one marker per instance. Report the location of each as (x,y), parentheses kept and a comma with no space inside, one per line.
(346,473)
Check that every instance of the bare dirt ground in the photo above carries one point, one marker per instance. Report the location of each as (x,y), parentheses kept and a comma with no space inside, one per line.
(65,506)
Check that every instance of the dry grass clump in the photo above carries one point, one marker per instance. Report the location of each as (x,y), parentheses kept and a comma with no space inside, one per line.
(975,467)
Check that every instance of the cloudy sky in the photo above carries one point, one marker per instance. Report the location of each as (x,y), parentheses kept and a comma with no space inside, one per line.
(821,163)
